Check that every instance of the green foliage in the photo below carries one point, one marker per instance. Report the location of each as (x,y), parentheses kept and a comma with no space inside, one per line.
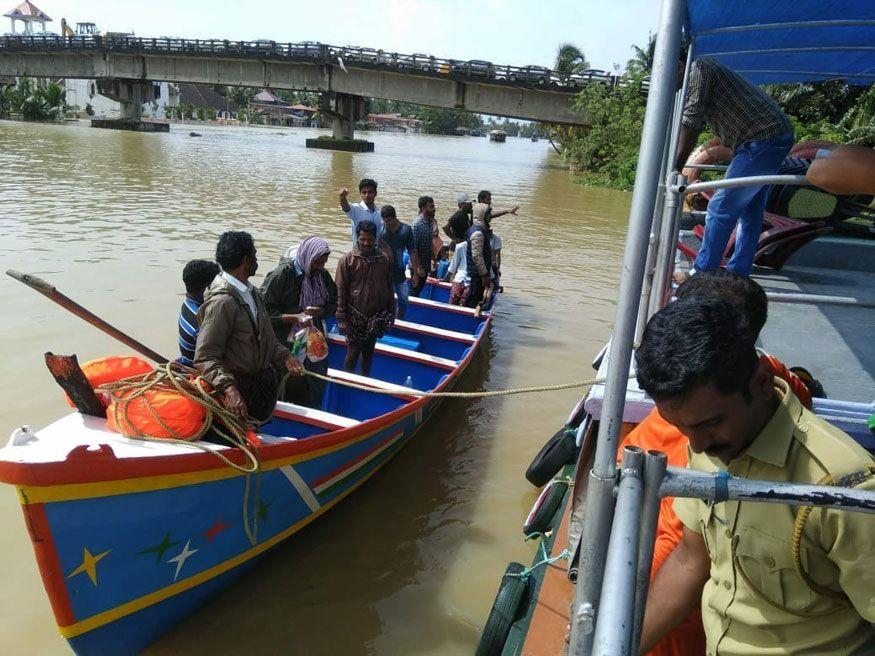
(445,121)
(569,60)
(642,60)
(186,110)
(607,151)
(833,110)
(33,101)
(241,96)
(511,127)
(204,113)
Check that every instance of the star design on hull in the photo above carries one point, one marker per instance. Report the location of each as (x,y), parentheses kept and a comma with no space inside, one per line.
(181,557)
(160,548)
(89,565)
(263,507)
(216,528)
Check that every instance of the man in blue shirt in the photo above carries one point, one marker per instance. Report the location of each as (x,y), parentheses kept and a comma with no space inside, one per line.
(197,276)
(367,209)
(398,239)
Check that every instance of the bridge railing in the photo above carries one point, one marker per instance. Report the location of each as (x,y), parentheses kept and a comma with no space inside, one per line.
(313,52)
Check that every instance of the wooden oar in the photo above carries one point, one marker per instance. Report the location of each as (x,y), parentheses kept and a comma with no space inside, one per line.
(49,291)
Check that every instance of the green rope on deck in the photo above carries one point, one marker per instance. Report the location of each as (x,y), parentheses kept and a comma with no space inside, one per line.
(545,558)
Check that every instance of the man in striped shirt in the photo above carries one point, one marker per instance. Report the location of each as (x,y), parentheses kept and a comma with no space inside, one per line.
(197,276)
(749,122)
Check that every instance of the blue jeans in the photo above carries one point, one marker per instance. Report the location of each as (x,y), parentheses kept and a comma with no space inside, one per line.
(402,291)
(742,205)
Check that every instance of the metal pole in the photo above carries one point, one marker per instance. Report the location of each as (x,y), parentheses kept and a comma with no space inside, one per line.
(655,463)
(599,497)
(613,630)
(666,225)
(683,482)
(652,249)
(752,181)
(668,246)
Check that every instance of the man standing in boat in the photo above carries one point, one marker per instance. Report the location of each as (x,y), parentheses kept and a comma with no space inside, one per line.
(398,239)
(366,209)
(770,580)
(479,255)
(365,302)
(485,196)
(760,135)
(237,350)
(425,234)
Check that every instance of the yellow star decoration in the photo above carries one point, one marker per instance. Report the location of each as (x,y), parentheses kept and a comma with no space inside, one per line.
(89,565)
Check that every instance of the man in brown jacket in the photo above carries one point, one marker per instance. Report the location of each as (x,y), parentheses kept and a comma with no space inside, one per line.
(365,299)
(237,350)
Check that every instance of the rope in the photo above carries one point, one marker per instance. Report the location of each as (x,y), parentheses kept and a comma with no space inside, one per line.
(459,395)
(187,382)
(174,377)
(545,558)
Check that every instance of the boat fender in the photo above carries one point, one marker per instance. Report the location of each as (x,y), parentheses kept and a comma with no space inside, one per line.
(111,369)
(544,510)
(560,450)
(504,611)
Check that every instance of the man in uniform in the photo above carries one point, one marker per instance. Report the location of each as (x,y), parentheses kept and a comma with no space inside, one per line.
(772,579)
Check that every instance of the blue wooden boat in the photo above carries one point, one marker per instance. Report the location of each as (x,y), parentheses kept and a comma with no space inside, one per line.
(132,536)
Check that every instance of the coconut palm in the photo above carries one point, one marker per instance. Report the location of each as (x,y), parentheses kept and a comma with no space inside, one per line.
(569,60)
(643,57)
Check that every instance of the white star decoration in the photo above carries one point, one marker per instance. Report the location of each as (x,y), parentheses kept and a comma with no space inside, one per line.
(180,558)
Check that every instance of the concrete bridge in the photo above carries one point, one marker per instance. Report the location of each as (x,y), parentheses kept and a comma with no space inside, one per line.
(344,75)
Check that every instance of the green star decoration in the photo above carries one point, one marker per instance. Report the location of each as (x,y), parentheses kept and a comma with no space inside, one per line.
(263,506)
(160,548)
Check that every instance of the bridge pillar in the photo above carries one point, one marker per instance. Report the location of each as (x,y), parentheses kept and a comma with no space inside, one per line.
(130,95)
(344,110)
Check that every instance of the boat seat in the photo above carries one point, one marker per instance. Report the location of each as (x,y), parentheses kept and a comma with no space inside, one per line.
(400,342)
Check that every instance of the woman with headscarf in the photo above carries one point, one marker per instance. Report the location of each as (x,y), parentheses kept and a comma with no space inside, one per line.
(301,292)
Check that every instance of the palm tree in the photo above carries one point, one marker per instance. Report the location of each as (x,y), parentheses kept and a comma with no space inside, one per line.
(569,60)
(643,58)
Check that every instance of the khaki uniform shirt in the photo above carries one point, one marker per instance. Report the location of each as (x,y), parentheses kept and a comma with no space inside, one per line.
(755,602)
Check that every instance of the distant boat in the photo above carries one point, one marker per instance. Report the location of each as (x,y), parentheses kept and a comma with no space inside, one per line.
(498,135)
(475,133)
(535,138)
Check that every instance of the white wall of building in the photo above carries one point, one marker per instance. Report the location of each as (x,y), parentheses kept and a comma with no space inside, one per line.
(84,92)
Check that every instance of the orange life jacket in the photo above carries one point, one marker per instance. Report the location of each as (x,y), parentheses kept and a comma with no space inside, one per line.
(111,369)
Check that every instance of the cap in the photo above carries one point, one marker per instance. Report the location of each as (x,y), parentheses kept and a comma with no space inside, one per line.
(481,210)
(464,198)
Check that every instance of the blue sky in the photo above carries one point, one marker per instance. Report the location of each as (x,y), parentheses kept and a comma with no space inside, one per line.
(501,31)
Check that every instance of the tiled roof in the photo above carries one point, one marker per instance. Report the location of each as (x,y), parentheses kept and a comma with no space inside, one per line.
(28,11)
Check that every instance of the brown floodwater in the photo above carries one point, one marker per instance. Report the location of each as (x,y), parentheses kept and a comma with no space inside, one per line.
(409,564)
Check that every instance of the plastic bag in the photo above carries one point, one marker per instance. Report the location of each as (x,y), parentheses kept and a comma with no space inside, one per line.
(317,345)
(310,344)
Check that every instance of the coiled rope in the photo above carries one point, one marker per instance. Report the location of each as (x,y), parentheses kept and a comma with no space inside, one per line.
(187,382)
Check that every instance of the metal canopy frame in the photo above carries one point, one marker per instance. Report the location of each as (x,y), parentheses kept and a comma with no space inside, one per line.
(621,506)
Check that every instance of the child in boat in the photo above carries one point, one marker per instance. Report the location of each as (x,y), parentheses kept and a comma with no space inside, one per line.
(457,273)
(365,298)
(443,262)
(196,276)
